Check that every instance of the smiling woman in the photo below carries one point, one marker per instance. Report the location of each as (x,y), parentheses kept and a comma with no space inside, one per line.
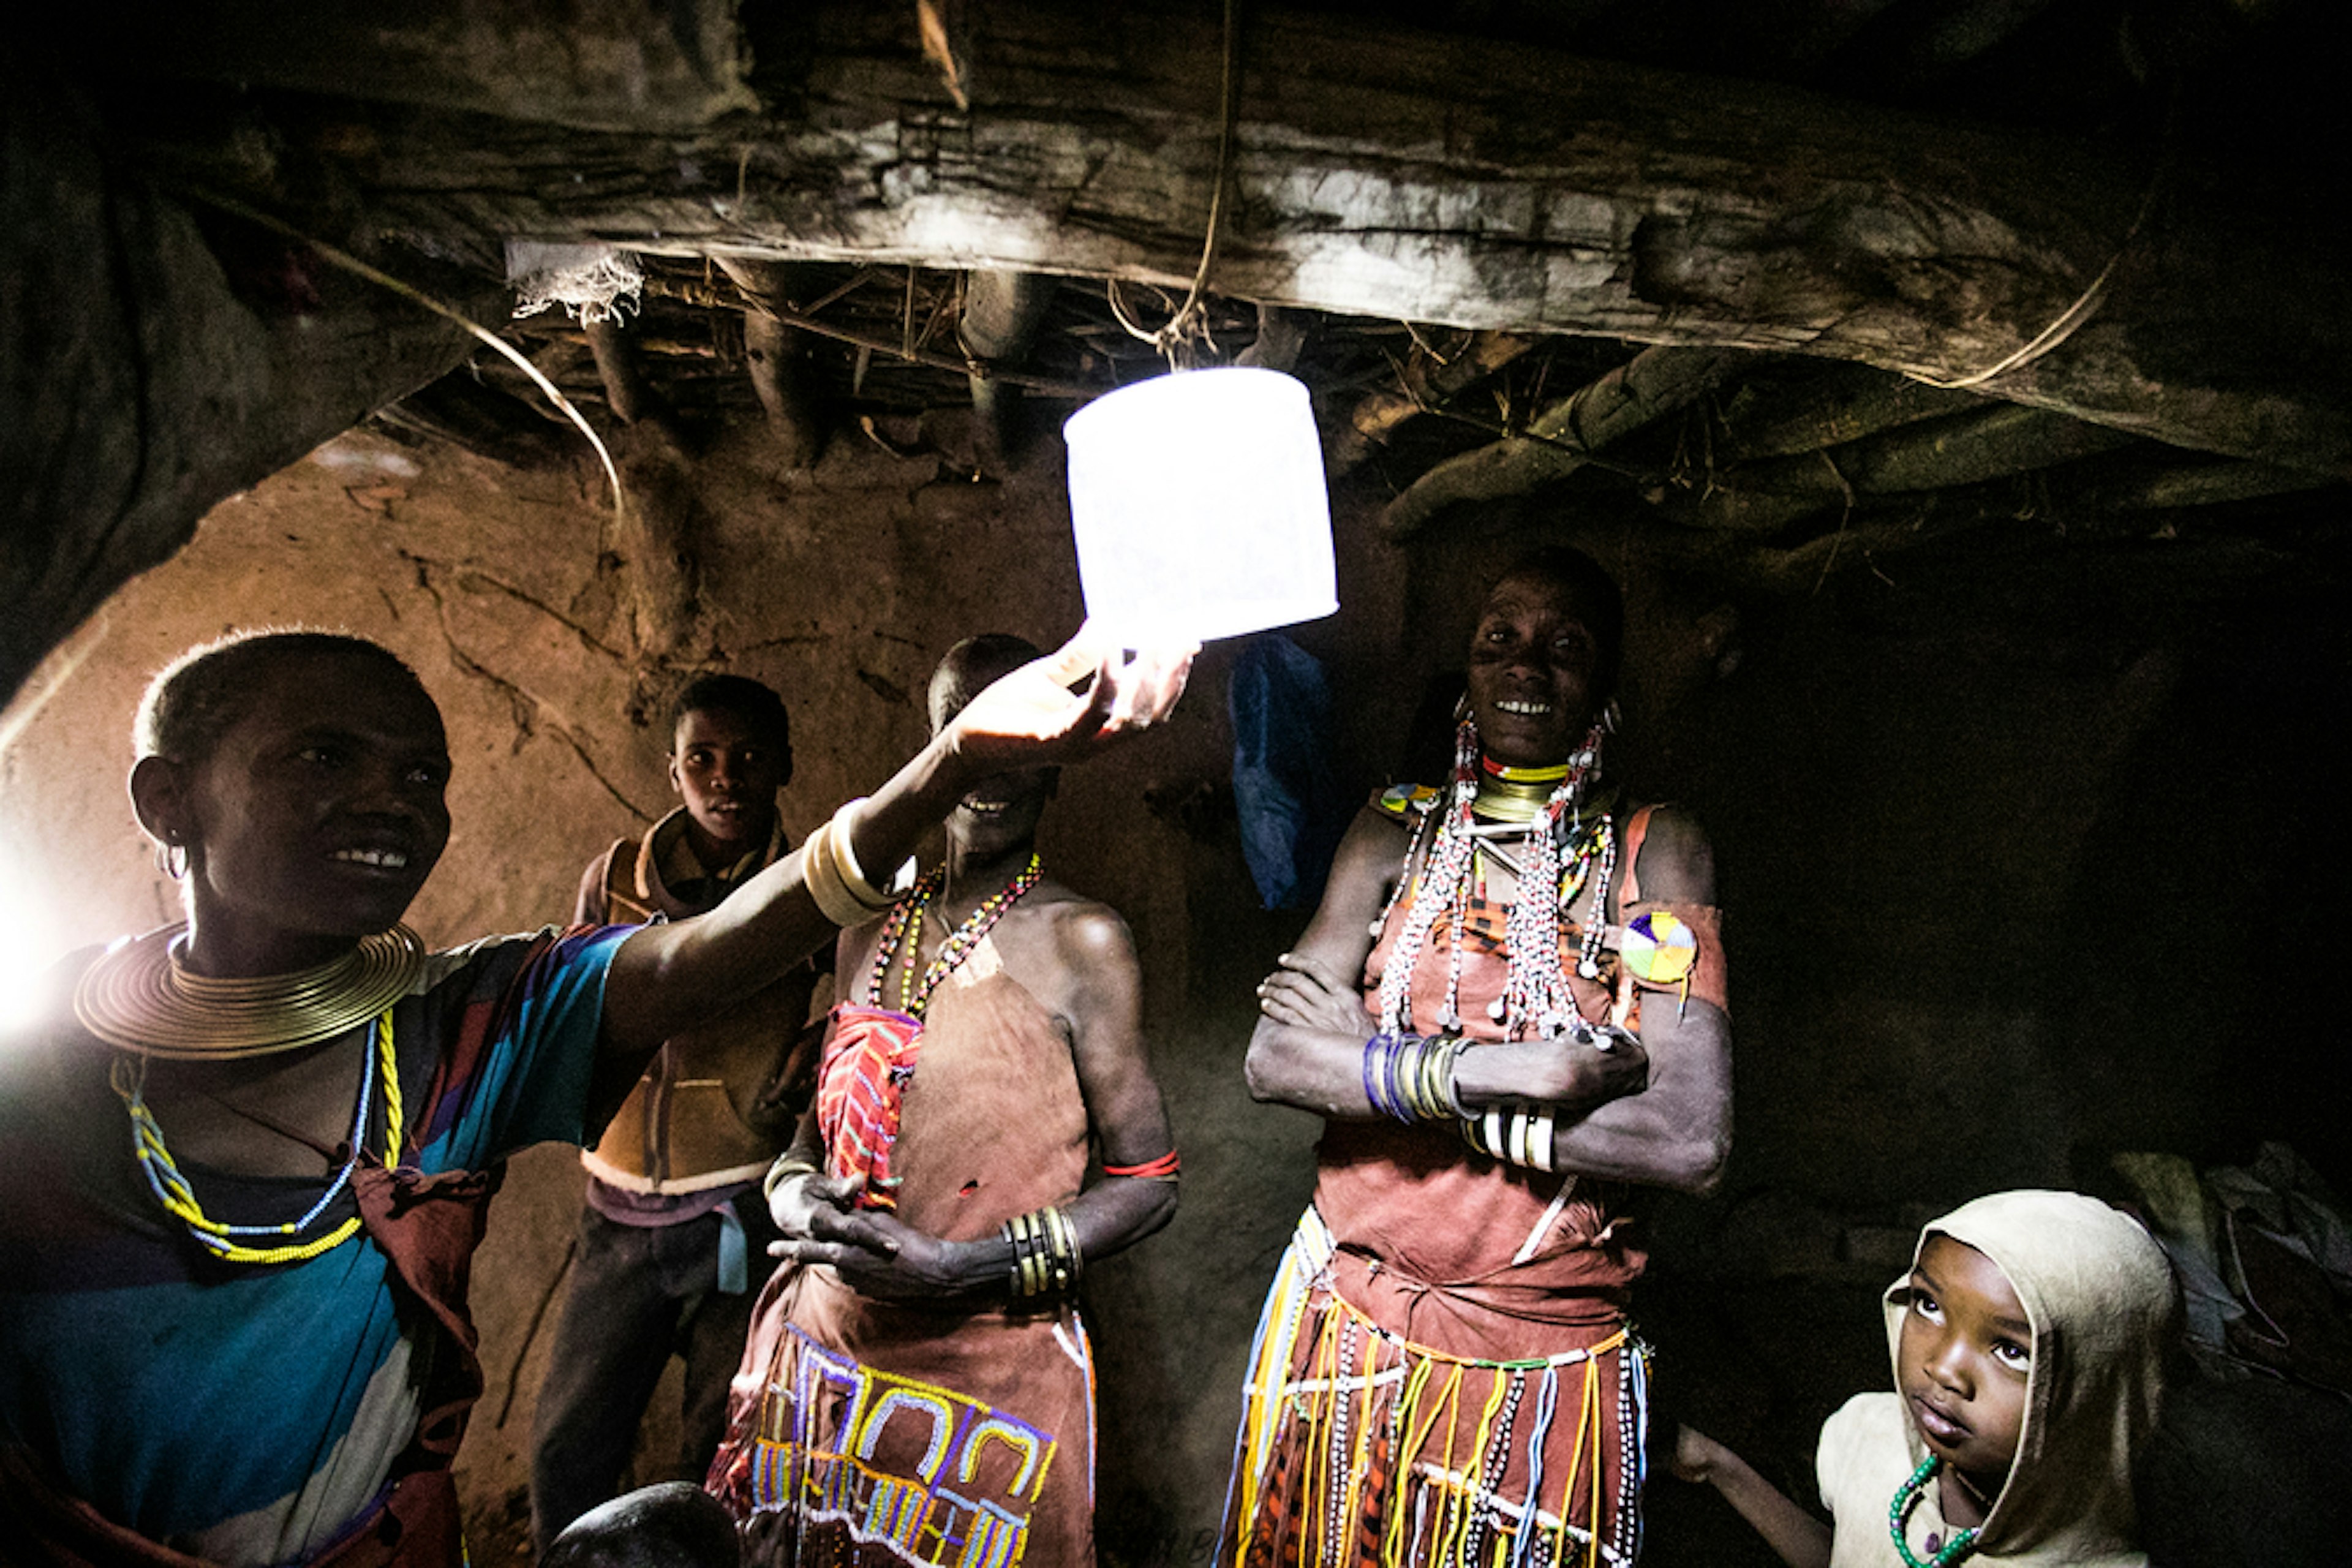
(242,1177)
(1522,971)
(300,779)
(936,1208)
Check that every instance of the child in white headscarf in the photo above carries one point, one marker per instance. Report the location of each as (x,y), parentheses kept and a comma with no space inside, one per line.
(2028,1342)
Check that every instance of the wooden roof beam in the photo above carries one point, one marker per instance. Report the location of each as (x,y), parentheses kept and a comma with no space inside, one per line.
(1652,384)
(1445,180)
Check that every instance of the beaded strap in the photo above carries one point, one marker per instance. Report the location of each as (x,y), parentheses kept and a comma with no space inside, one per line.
(902,933)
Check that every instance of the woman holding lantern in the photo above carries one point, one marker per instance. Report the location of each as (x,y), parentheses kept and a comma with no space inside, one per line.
(233,1324)
(1511,1011)
(919,1386)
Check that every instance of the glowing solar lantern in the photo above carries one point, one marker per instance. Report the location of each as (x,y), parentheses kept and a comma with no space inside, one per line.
(1199,506)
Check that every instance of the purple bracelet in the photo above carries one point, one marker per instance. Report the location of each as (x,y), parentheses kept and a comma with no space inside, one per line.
(1379,1058)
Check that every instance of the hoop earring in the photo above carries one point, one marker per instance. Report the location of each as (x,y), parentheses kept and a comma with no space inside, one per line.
(171,859)
(1612,717)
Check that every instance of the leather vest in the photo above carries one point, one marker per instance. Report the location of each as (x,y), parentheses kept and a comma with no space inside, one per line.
(717,1103)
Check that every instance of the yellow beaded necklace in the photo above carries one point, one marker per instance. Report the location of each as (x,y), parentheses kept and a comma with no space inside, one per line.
(128,1079)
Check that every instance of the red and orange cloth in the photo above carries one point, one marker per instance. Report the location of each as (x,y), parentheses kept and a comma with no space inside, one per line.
(861,1092)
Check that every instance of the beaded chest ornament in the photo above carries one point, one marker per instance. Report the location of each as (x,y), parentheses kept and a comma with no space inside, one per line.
(128,1077)
(903,932)
(1562,853)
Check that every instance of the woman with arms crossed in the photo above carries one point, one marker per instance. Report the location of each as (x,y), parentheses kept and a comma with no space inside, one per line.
(1509,1009)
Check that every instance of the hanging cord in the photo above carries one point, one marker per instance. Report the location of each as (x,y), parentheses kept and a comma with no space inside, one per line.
(383,279)
(2086,304)
(1190,323)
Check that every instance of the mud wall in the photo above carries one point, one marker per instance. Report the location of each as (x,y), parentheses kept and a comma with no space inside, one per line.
(2010,852)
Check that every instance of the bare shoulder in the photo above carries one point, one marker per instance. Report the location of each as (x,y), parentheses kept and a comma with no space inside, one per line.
(1376,841)
(1072,955)
(1087,932)
(1677,862)
(1055,931)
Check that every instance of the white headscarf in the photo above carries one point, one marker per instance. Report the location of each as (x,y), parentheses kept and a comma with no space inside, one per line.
(2099,1295)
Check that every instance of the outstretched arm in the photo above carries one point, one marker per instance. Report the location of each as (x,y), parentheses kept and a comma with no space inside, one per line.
(1802,1541)
(665,978)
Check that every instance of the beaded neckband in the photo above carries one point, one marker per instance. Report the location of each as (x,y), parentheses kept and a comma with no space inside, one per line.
(1898,1515)
(1536,995)
(904,928)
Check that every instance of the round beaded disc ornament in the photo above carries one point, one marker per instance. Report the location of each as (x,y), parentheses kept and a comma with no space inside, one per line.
(1659,949)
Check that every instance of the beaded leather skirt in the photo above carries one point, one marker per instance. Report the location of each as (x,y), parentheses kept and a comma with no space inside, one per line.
(1362,1446)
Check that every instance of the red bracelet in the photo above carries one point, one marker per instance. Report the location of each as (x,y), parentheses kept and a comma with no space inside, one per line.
(1163,1169)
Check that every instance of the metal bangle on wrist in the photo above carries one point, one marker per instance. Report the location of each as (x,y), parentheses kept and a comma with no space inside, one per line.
(786,1167)
(1517,1132)
(1409,1078)
(1045,1256)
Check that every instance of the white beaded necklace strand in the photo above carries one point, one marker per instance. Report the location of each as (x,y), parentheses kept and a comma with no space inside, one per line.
(1536,992)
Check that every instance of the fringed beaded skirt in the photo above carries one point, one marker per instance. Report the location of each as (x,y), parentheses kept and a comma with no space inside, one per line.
(1360,1447)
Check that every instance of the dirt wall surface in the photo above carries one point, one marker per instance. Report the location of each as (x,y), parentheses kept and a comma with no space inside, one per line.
(2003,855)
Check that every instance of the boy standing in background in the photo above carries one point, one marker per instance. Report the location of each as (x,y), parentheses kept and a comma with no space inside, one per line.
(675,1224)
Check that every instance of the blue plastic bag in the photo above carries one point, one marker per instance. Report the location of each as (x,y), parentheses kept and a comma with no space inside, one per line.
(1285,791)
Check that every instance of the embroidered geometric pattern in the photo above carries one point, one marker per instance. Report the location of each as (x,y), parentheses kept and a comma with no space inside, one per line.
(964,1479)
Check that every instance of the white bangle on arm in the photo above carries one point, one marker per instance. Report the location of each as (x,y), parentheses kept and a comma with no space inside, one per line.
(843,901)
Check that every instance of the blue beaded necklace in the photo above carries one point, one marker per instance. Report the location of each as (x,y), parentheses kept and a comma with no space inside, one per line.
(1898,1515)
(128,1079)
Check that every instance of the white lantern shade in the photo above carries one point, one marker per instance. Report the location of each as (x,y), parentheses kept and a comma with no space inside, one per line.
(1199,505)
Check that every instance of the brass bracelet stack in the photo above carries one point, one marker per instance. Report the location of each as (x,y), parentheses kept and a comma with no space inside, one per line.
(1045,1258)
(830,871)
(786,1167)
(1517,1134)
(1411,1078)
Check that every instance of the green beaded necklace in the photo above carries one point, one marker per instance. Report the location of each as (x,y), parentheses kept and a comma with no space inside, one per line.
(1898,1514)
